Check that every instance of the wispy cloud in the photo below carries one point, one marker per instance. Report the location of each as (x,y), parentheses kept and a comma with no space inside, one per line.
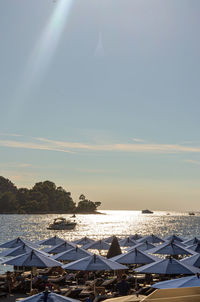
(39,143)
(191,161)
(31,145)
(14,165)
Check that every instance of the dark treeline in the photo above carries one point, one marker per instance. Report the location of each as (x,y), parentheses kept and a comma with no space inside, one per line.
(43,197)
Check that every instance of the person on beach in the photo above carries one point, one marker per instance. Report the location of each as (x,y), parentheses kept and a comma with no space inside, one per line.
(123,287)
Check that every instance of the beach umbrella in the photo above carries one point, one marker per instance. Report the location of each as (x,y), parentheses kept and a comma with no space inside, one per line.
(51,241)
(75,253)
(190,281)
(195,247)
(17,242)
(94,263)
(135,237)
(22,249)
(114,249)
(174,237)
(62,247)
(192,241)
(48,297)
(33,259)
(127,242)
(83,241)
(135,256)
(144,246)
(170,248)
(151,239)
(168,266)
(110,239)
(97,245)
(180,243)
(192,260)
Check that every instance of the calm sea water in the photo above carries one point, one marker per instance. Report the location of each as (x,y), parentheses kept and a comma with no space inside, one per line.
(34,227)
(122,223)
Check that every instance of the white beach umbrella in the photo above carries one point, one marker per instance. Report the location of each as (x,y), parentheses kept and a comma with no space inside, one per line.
(190,281)
(174,237)
(169,266)
(192,260)
(97,245)
(49,297)
(110,239)
(94,263)
(52,241)
(62,247)
(135,256)
(72,255)
(17,242)
(151,239)
(170,248)
(127,242)
(83,241)
(33,259)
(22,249)
(192,241)
(195,247)
(144,246)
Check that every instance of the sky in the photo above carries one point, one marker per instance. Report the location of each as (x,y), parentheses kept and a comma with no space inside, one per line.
(102,97)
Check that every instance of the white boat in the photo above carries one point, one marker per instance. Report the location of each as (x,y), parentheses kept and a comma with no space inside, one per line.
(61,223)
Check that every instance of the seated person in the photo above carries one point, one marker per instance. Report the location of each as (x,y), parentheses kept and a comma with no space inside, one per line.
(123,287)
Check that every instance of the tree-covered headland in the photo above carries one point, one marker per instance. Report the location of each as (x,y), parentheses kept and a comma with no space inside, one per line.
(43,197)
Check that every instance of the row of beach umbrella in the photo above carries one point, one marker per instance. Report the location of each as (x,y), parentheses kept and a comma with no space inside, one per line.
(26,253)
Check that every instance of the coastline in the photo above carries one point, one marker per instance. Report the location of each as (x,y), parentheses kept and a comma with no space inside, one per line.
(56,213)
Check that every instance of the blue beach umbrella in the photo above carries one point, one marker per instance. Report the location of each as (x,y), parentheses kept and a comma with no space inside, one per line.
(48,297)
(72,255)
(170,248)
(168,266)
(195,247)
(94,263)
(23,249)
(17,242)
(151,239)
(97,245)
(174,237)
(191,281)
(83,241)
(33,259)
(192,260)
(62,247)
(144,246)
(52,241)
(192,241)
(127,242)
(135,256)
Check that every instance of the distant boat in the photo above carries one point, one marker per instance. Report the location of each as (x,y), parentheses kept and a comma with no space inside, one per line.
(191,213)
(147,211)
(61,223)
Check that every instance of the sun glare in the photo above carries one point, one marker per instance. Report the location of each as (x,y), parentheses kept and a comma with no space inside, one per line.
(45,48)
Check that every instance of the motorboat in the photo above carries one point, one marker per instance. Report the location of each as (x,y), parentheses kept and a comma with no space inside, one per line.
(61,223)
(147,211)
(191,213)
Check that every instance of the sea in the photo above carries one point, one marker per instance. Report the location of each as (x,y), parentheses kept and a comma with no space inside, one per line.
(98,226)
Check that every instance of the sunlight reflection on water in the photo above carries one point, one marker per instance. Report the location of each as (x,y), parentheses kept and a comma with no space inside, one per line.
(122,223)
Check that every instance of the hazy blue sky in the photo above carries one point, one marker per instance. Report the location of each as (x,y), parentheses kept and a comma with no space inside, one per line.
(103,98)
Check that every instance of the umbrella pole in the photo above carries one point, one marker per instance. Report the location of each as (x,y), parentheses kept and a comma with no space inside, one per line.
(31,286)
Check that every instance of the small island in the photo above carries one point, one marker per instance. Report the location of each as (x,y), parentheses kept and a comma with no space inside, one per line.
(43,198)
